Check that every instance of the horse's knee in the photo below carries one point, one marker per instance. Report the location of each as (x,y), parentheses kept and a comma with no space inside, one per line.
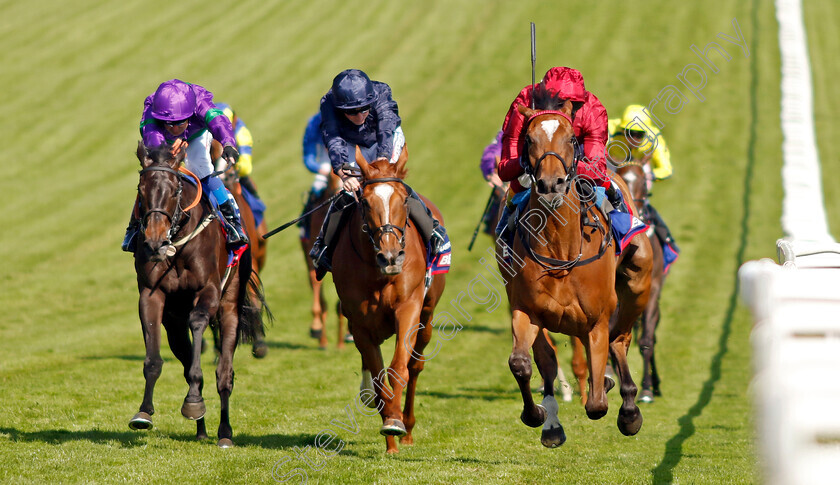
(152,367)
(520,365)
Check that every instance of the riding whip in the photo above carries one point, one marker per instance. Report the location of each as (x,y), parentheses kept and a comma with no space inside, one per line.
(533,61)
(303,216)
(487,206)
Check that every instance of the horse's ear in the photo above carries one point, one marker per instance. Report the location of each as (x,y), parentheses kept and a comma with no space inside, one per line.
(361,162)
(525,111)
(401,162)
(143,155)
(567,108)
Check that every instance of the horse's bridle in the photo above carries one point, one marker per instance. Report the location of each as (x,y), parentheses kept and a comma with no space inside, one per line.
(571,169)
(384,228)
(174,218)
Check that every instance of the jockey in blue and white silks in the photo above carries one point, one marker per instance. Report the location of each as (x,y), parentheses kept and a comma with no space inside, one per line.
(358,111)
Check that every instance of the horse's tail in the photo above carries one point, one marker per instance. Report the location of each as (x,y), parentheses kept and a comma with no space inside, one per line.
(252,304)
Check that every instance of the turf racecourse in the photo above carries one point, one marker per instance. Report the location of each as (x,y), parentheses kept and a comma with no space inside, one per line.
(74,77)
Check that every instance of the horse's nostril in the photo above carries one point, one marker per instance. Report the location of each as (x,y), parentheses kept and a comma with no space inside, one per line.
(541,186)
(381,260)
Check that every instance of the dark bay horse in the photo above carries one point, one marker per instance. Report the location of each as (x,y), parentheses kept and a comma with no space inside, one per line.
(258,245)
(379,269)
(566,278)
(635,173)
(181,262)
(317,329)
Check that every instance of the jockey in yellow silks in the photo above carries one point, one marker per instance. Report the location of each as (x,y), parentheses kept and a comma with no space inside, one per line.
(634,137)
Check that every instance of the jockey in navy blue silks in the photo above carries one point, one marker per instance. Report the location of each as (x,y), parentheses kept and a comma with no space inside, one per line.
(358,111)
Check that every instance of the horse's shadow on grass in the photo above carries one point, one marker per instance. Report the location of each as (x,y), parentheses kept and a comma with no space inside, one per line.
(482,393)
(132,439)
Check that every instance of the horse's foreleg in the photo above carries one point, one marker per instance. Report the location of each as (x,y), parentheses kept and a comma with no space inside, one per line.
(179,342)
(151,314)
(342,334)
(228,328)
(206,304)
(373,366)
(415,365)
(650,320)
(579,366)
(524,335)
(629,416)
(597,350)
(545,356)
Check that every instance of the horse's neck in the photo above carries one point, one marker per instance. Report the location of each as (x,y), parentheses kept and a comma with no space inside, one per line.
(561,231)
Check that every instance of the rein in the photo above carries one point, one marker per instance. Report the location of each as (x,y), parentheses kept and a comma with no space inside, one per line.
(547,263)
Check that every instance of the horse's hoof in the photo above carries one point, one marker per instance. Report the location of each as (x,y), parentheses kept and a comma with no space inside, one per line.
(554,437)
(646,396)
(315,333)
(594,413)
(534,421)
(406,440)
(609,383)
(392,427)
(259,350)
(193,410)
(630,423)
(657,392)
(141,420)
(225,443)
(349,338)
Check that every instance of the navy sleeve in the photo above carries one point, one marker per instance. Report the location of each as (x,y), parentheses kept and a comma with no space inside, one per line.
(388,119)
(336,146)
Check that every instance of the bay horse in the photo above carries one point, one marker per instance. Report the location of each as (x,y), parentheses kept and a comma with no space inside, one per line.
(379,270)
(567,279)
(636,175)
(317,329)
(181,260)
(258,245)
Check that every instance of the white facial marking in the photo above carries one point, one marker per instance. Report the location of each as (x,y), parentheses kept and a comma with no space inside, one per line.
(384,192)
(549,127)
(629,177)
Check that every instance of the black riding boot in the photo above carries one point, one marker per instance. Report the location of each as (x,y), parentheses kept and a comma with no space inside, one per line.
(616,199)
(129,243)
(235,235)
(430,229)
(661,229)
(324,245)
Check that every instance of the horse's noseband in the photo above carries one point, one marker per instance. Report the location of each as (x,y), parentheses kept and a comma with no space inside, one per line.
(175,217)
(379,232)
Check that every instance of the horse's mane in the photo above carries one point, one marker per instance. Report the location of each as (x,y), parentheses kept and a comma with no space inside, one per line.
(159,154)
(544,99)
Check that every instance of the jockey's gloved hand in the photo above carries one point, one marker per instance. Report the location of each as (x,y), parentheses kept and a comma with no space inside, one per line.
(230,154)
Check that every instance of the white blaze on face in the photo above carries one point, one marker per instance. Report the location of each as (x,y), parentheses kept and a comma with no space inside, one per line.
(549,127)
(384,192)
(629,177)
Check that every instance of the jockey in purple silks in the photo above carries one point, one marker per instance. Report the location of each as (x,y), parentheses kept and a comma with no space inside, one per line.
(179,110)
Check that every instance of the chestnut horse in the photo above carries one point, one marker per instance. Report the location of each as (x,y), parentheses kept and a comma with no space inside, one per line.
(567,278)
(635,173)
(379,269)
(258,245)
(317,329)
(181,262)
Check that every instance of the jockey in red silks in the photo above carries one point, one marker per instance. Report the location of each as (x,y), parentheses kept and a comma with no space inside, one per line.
(590,127)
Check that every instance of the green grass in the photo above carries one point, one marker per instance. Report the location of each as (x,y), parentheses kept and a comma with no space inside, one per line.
(75,75)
